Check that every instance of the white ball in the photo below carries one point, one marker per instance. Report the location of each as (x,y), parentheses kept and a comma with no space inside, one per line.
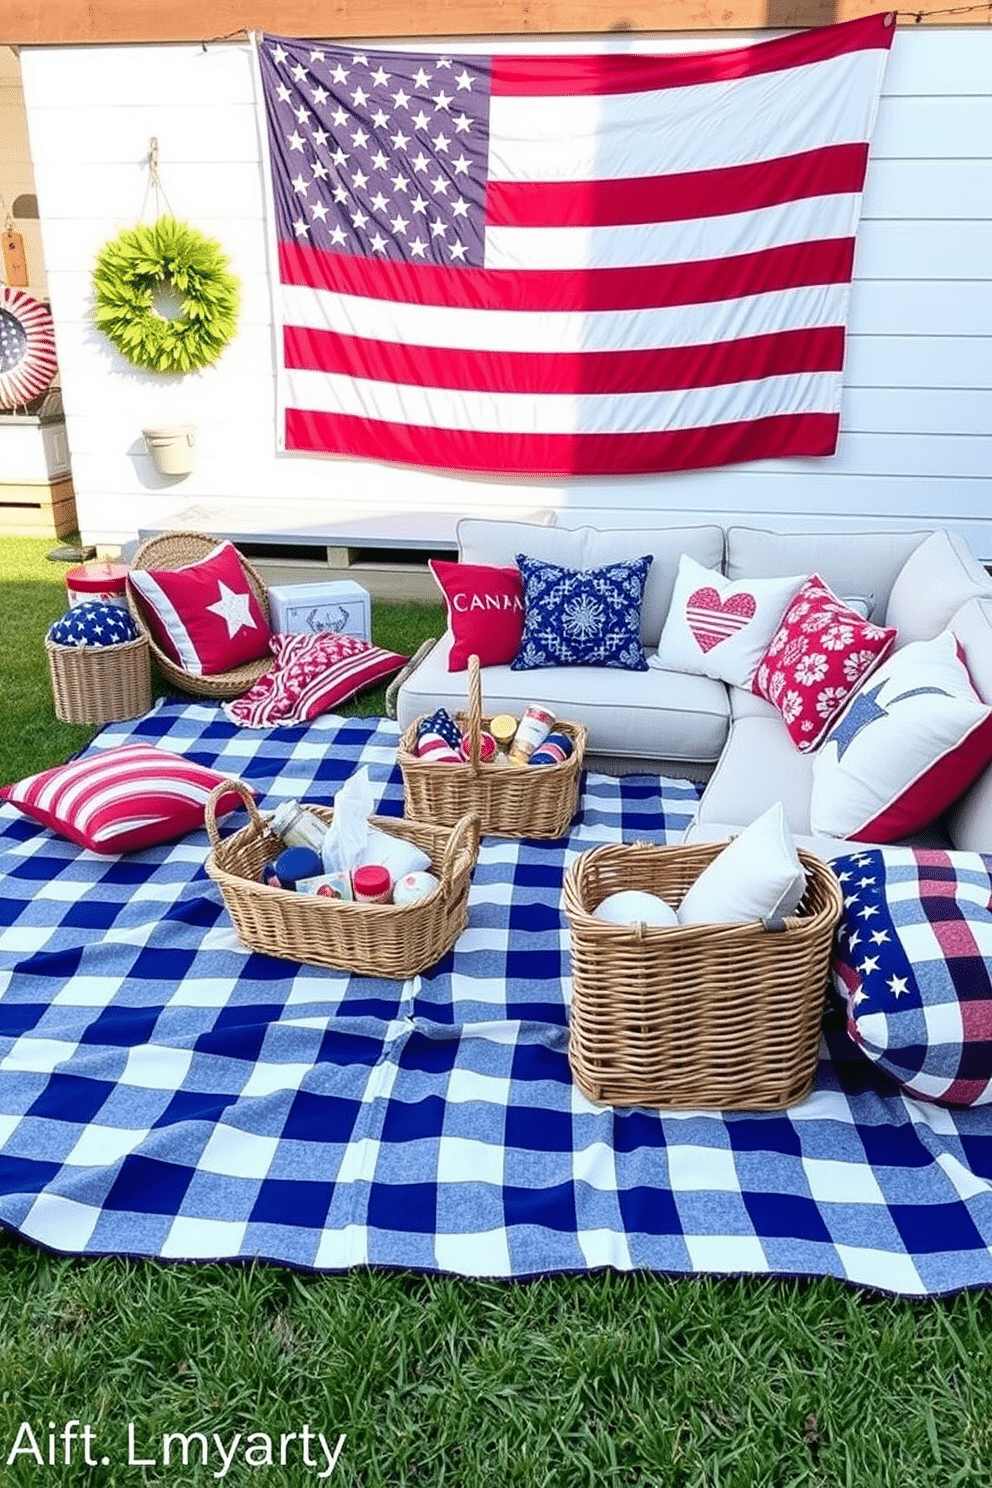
(634,907)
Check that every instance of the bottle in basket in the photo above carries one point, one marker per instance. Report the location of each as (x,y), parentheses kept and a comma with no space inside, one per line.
(298,827)
(533,728)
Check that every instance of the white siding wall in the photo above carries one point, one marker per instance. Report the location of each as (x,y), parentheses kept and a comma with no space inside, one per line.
(916,445)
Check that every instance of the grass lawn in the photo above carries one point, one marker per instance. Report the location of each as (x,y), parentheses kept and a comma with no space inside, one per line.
(573,1381)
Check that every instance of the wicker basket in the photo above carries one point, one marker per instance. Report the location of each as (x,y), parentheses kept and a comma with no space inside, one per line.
(719,1017)
(380,940)
(100,684)
(175,550)
(512,801)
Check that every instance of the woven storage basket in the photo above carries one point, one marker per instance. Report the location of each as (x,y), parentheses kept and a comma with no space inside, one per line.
(722,1017)
(380,940)
(511,800)
(100,684)
(175,550)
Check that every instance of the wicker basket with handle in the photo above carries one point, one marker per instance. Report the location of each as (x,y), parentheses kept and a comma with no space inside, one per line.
(511,800)
(100,684)
(176,550)
(719,1017)
(379,940)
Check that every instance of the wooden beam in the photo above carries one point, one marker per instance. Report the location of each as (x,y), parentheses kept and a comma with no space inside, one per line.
(47,22)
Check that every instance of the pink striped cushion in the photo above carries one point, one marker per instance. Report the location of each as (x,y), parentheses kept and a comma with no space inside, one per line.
(312,674)
(118,800)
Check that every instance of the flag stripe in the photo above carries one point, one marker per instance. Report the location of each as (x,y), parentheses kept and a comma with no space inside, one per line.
(643,134)
(595,372)
(828,261)
(565,413)
(573,75)
(573,454)
(665,244)
(837,170)
(553,333)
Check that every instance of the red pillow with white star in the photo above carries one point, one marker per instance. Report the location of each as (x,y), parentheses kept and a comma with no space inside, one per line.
(204,616)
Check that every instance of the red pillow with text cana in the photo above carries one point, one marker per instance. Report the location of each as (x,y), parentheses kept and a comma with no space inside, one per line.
(205,616)
(485,611)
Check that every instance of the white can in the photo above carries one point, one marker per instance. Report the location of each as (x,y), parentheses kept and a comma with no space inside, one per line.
(533,728)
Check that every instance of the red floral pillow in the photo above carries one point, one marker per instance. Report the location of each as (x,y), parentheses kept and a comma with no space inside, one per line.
(817,660)
(485,611)
(205,616)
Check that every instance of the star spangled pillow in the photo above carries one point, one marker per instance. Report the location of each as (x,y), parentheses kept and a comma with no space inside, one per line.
(718,627)
(911,741)
(205,616)
(93,623)
(121,799)
(582,617)
(913,963)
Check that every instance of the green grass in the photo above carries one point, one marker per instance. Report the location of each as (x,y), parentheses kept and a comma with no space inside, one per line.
(573,1382)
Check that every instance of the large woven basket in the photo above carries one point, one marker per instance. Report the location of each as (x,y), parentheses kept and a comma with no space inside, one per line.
(100,684)
(380,940)
(719,1017)
(175,550)
(511,800)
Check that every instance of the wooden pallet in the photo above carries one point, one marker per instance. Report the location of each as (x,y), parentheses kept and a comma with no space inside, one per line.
(32,510)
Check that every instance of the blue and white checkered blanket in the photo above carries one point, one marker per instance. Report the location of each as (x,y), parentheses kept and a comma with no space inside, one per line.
(166,1092)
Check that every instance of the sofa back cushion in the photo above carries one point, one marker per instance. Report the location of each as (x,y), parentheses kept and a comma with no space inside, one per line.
(484,541)
(940,576)
(969,819)
(852,563)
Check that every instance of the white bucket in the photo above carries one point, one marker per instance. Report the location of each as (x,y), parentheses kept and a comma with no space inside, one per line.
(171,448)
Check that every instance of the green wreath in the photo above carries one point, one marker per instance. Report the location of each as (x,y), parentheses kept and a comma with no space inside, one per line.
(166,254)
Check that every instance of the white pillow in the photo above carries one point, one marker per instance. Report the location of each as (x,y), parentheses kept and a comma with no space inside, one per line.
(911,740)
(719,627)
(757,876)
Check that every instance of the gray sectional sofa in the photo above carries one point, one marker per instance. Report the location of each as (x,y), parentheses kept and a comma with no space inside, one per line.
(693,727)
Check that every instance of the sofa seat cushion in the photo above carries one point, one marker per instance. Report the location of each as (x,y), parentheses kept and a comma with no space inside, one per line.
(759,766)
(644,715)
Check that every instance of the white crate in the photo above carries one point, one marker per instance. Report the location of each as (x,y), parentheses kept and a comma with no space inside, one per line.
(310,609)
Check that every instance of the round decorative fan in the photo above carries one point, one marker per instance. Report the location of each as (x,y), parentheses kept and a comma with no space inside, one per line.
(27,347)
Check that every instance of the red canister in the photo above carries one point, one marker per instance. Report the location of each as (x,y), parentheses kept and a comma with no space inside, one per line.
(106,582)
(371,884)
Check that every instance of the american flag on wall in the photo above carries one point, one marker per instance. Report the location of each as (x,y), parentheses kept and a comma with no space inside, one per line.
(557,264)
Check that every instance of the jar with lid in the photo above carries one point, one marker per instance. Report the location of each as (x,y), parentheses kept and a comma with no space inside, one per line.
(372,884)
(298,827)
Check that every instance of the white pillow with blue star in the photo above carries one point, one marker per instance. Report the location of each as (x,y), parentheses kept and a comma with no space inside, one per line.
(911,740)
(582,616)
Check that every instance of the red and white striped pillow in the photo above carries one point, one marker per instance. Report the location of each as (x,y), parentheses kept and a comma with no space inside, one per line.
(312,674)
(205,616)
(118,800)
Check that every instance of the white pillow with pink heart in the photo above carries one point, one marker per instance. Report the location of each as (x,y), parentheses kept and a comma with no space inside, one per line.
(719,627)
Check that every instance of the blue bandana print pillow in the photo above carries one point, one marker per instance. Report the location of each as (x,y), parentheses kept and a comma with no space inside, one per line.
(582,617)
(93,623)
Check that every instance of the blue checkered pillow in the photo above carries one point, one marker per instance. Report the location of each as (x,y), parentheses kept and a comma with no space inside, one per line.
(93,623)
(913,962)
(582,617)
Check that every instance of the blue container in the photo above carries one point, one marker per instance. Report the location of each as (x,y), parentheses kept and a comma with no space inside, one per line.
(296,863)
